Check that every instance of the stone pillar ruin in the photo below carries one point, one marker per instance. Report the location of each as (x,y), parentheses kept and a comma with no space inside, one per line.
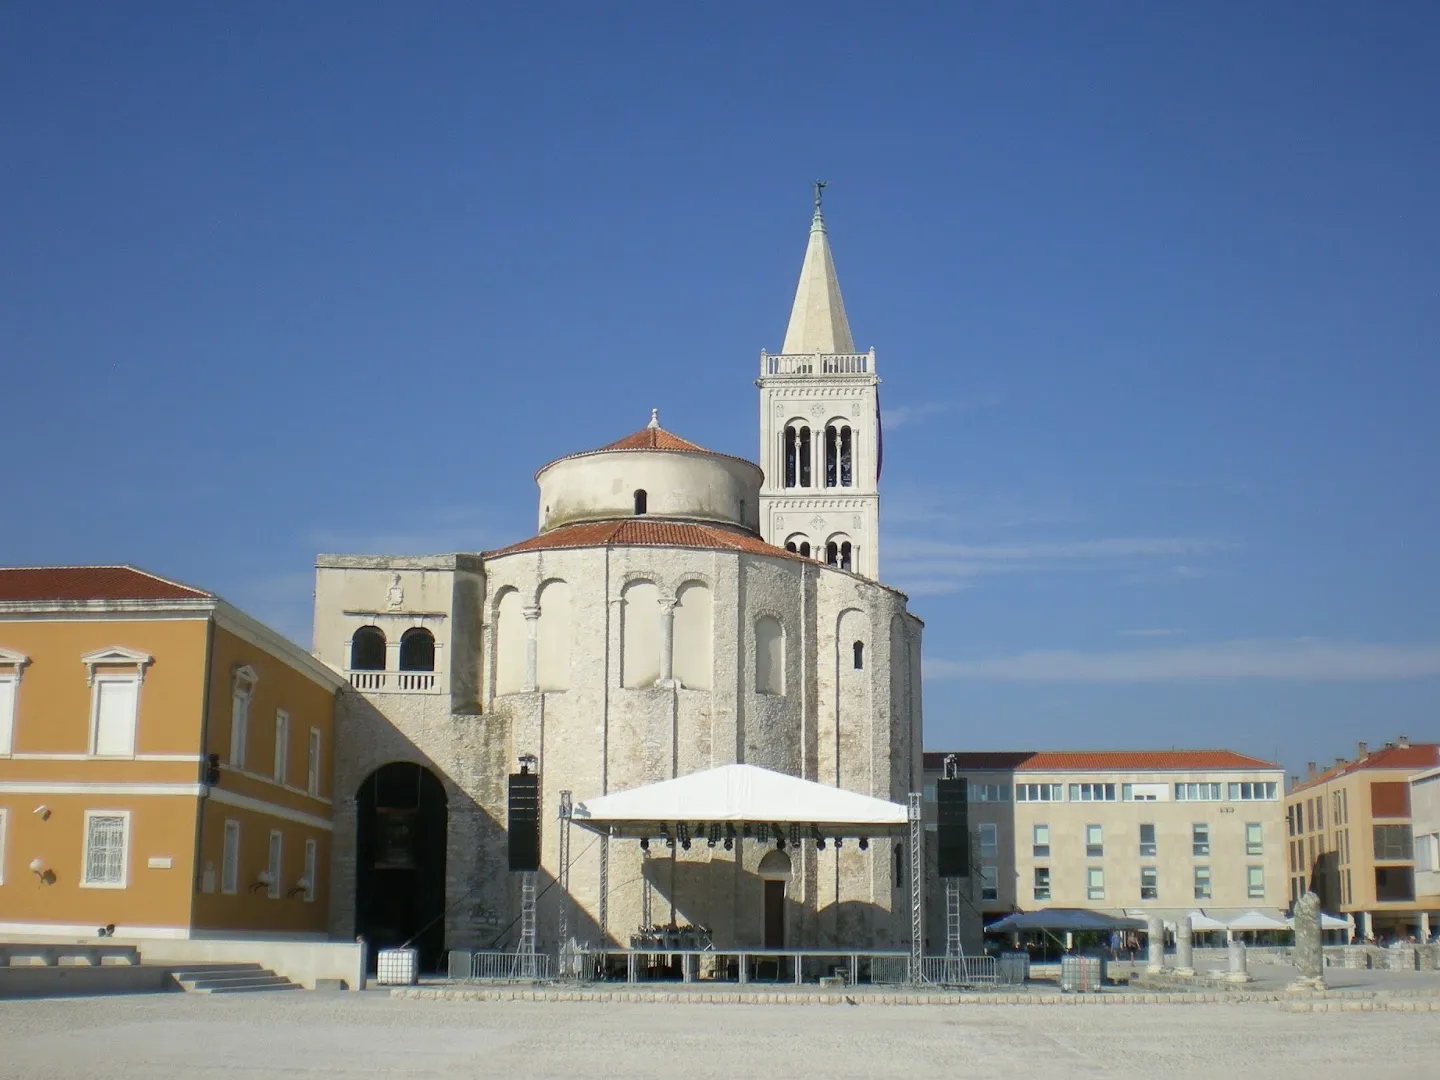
(1184,951)
(1238,968)
(1309,951)
(667,641)
(532,648)
(1155,944)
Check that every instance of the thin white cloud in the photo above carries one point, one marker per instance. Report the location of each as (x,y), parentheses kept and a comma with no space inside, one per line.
(1107,548)
(1301,660)
(904,415)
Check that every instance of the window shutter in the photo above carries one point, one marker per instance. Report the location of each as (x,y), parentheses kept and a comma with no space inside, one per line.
(115,718)
(7,714)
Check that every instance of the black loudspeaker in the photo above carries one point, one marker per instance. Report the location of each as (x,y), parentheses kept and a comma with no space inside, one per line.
(952,827)
(523,827)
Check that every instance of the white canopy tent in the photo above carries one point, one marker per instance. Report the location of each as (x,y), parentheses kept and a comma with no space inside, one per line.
(1204,924)
(1061,919)
(740,795)
(1327,922)
(1257,920)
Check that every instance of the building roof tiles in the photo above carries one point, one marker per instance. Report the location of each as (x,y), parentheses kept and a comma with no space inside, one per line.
(1102,761)
(639,532)
(62,584)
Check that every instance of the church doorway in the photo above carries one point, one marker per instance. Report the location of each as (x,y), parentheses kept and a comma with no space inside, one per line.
(774,871)
(401,825)
(774,914)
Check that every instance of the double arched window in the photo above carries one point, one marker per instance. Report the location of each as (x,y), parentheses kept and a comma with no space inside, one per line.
(839,455)
(417,650)
(798,544)
(839,553)
(367,649)
(797,454)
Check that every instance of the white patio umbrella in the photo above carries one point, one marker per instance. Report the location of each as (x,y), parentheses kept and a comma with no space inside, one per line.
(1257,920)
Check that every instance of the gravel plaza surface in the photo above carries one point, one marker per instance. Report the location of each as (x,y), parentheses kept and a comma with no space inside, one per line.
(331,1035)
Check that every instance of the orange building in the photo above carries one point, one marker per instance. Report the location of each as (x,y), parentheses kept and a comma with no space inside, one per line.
(165,762)
(1351,840)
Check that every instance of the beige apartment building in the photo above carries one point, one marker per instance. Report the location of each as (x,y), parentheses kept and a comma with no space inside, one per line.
(1352,838)
(1148,832)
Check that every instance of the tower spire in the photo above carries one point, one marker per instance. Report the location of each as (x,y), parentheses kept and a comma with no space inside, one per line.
(817,319)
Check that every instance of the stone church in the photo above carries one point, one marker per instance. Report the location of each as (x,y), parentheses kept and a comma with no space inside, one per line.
(677,610)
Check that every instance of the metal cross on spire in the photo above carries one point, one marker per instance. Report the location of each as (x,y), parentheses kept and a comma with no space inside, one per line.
(820,186)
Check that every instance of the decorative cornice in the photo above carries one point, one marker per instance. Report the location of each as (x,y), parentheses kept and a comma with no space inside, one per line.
(116,656)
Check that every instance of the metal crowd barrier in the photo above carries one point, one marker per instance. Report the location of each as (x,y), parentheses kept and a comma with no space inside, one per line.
(481,965)
(960,970)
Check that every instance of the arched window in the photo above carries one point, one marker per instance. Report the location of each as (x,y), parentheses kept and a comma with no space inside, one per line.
(832,455)
(417,650)
(847,464)
(845,556)
(799,544)
(805,548)
(832,554)
(859,650)
(769,656)
(797,450)
(791,547)
(640,501)
(367,649)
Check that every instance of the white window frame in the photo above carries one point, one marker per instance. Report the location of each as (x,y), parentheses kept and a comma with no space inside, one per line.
(242,689)
(1251,872)
(1039,793)
(275,863)
(1199,791)
(1148,849)
(1036,844)
(1196,842)
(989,840)
(1092,792)
(96,684)
(1154,873)
(1209,883)
(124,882)
(1047,888)
(230,859)
(282,745)
(989,883)
(1256,847)
(312,763)
(1094,841)
(9,658)
(311,868)
(1092,890)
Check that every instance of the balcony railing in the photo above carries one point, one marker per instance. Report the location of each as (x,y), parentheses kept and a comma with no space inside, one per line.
(817,363)
(395,682)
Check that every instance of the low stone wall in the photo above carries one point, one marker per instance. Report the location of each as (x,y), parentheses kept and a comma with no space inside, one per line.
(75,979)
(301,962)
(1394,958)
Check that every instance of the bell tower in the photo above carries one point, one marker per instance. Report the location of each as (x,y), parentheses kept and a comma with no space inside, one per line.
(820,426)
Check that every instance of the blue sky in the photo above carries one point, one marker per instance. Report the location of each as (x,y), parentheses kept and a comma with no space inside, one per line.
(1154,289)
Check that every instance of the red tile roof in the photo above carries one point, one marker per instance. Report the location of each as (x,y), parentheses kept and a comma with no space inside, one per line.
(654,439)
(38,584)
(1412,758)
(1101,760)
(636,532)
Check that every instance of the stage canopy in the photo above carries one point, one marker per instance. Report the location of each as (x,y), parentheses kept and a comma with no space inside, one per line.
(1257,920)
(1072,919)
(740,795)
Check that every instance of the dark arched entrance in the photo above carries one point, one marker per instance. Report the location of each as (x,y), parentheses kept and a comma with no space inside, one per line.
(401,823)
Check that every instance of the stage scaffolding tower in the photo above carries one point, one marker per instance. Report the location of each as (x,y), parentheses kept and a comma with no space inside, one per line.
(917,877)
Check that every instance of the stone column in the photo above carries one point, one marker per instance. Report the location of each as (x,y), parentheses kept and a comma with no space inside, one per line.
(532,648)
(1367,928)
(1184,952)
(1238,970)
(1309,952)
(667,641)
(1155,944)
(1424,928)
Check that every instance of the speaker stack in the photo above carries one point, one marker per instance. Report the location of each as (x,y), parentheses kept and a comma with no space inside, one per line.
(952,826)
(523,826)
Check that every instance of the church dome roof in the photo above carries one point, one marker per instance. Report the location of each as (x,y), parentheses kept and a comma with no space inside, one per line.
(651,473)
(633,532)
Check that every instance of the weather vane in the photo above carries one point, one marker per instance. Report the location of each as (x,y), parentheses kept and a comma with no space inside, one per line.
(820,186)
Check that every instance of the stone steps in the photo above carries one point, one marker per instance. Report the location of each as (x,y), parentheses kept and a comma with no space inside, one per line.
(230,979)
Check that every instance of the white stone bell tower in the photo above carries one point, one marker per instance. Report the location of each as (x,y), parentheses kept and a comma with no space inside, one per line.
(820,426)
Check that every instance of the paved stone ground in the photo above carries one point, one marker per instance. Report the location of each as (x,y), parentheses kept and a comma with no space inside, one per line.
(300,1035)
